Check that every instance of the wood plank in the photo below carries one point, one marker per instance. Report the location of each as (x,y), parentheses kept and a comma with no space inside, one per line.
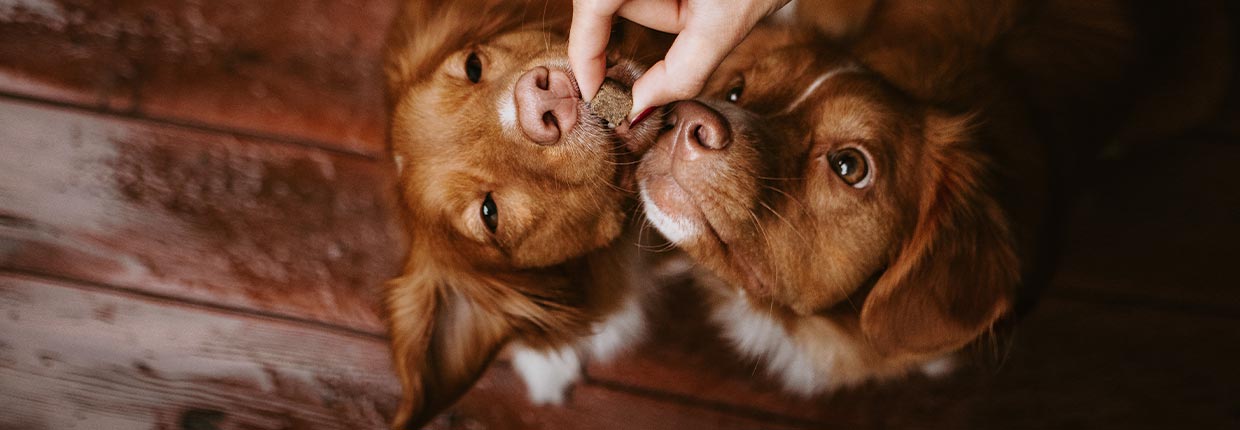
(210,217)
(80,356)
(308,70)
(499,402)
(1069,365)
(1160,224)
(73,357)
(47,52)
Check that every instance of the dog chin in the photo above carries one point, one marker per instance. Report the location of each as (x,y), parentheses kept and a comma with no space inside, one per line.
(667,208)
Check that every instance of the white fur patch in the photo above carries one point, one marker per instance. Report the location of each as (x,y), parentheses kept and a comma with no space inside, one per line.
(763,338)
(547,374)
(676,230)
(821,79)
(939,367)
(506,107)
(620,330)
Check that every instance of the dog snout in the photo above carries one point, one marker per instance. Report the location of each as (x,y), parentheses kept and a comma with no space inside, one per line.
(546,104)
(698,129)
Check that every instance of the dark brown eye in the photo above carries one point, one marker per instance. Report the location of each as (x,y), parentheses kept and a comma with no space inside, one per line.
(851,166)
(489,213)
(734,94)
(473,67)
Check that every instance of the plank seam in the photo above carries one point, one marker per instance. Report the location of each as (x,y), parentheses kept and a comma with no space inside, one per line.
(95,286)
(663,396)
(137,115)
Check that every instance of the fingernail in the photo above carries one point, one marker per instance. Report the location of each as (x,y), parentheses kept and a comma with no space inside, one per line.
(641,116)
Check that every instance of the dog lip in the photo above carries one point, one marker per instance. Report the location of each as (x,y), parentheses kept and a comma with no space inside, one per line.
(626,73)
(741,265)
(752,279)
(636,139)
(623,73)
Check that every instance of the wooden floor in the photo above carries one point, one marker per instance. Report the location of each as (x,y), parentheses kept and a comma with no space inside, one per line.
(196,213)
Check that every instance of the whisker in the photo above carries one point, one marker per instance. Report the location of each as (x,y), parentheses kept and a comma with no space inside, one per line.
(785,220)
(779,179)
(767,239)
(800,205)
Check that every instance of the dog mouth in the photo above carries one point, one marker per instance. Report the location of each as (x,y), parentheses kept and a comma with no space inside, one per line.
(632,141)
(682,211)
(611,105)
(673,211)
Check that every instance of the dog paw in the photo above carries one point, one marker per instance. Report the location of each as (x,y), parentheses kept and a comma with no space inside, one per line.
(548,374)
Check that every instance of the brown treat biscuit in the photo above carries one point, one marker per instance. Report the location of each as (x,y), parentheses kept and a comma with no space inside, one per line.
(612,103)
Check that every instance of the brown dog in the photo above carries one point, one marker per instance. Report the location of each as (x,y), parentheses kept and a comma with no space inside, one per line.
(858,223)
(516,197)
(868,205)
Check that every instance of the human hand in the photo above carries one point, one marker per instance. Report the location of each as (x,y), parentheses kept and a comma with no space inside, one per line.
(707,31)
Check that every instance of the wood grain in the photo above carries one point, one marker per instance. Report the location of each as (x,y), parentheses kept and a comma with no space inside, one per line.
(73,357)
(498,402)
(209,217)
(308,70)
(88,357)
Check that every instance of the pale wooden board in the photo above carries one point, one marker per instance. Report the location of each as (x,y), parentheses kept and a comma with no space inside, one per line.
(73,357)
(308,70)
(211,217)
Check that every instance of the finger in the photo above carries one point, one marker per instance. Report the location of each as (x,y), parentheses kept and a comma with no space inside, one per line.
(587,43)
(668,16)
(683,73)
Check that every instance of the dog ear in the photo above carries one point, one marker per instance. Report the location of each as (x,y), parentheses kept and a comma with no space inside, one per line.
(956,274)
(442,340)
(425,32)
(447,327)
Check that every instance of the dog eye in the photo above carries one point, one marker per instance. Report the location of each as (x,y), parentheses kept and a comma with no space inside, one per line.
(851,166)
(489,213)
(734,94)
(473,67)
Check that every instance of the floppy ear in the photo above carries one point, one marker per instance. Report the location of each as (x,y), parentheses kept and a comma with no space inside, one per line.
(426,31)
(442,340)
(956,273)
(446,328)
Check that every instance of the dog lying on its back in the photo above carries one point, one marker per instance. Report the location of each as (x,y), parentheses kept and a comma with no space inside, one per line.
(516,197)
(851,231)
(868,205)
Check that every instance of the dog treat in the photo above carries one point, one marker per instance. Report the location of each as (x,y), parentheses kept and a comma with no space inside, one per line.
(612,103)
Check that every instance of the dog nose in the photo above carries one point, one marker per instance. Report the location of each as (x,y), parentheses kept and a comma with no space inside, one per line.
(546,104)
(698,128)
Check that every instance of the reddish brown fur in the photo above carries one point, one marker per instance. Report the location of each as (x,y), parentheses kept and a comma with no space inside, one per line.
(773,210)
(929,256)
(554,266)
